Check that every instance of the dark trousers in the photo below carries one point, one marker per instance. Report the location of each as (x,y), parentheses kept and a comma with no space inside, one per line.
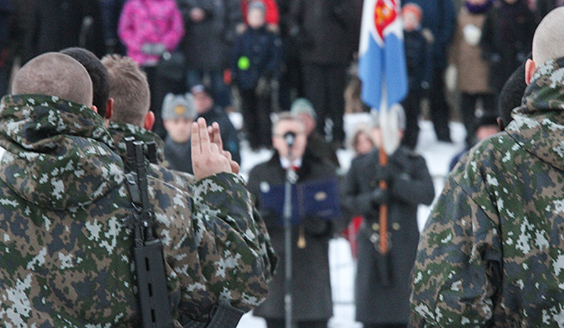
(256,118)
(412,108)
(277,323)
(468,109)
(325,86)
(440,110)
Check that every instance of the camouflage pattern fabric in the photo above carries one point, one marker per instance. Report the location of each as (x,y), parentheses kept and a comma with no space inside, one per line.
(66,256)
(120,131)
(185,181)
(492,252)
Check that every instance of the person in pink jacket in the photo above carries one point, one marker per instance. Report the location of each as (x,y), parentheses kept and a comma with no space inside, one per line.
(148,28)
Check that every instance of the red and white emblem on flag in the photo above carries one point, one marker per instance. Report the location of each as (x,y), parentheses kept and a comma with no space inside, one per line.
(384,14)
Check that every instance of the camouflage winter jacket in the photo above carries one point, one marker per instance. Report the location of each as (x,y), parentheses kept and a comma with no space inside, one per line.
(185,181)
(66,256)
(120,131)
(492,251)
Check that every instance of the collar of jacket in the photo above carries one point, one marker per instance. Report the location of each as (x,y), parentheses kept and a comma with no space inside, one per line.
(120,131)
(538,125)
(308,161)
(58,153)
(36,122)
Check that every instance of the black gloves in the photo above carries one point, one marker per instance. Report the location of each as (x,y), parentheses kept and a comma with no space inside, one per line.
(379,197)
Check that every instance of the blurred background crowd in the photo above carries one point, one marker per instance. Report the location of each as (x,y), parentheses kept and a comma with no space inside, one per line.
(211,58)
(257,58)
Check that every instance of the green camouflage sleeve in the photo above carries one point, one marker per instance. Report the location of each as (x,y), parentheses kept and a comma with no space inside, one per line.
(457,266)
(212,244)
(223,199)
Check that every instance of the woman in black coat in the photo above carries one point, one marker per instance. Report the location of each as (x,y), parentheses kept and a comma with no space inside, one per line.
(384,299)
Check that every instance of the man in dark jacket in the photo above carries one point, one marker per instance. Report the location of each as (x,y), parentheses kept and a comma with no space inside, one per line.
(58,24)
(439,20)
(418,62)
(311,288)
(210,34)
(320,29)
(382,281)
(506,40)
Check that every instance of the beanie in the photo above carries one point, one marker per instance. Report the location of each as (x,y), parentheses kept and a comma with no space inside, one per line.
(303,106)
(178,106)
(413,8)
(257,5)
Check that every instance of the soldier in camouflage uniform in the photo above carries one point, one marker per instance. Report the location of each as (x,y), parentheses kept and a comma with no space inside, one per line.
(131,118)
(492,251)
(66,257)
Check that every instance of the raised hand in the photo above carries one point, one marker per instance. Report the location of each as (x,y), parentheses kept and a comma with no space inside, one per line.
(207,158)
(215,136)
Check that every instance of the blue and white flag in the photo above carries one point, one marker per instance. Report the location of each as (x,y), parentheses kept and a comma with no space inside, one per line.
(382,68)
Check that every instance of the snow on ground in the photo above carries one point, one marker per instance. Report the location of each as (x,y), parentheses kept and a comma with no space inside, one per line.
(437,155)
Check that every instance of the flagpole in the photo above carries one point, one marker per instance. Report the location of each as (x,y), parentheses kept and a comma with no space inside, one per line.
(383,158)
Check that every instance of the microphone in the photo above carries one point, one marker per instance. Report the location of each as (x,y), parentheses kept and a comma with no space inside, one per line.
(290,137)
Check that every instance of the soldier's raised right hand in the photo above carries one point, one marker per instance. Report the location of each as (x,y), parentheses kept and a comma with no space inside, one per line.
(207,158)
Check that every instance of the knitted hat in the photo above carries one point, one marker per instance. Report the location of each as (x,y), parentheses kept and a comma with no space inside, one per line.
(412,8)
(303,106)
(178,106)
(257,5)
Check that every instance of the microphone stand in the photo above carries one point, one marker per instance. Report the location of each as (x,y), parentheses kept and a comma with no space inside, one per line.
(290,179)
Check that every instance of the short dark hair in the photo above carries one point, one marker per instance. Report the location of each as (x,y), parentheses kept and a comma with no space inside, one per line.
(511,94)
(54,74)
(98,74)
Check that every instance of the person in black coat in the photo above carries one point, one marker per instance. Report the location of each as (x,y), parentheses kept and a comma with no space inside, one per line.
(507,37)
(382,300)
(311,288)
(58,24)
(418,62)
(210,34)
(321,31)
(255,61)
(439,21)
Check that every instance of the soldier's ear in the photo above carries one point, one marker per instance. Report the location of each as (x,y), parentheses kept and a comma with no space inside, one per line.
(530,69)
(109,108)
(94,108)
(149,121)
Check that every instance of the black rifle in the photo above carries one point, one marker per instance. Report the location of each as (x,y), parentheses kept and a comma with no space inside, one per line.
(147,250)
(148,253)
(152,152)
